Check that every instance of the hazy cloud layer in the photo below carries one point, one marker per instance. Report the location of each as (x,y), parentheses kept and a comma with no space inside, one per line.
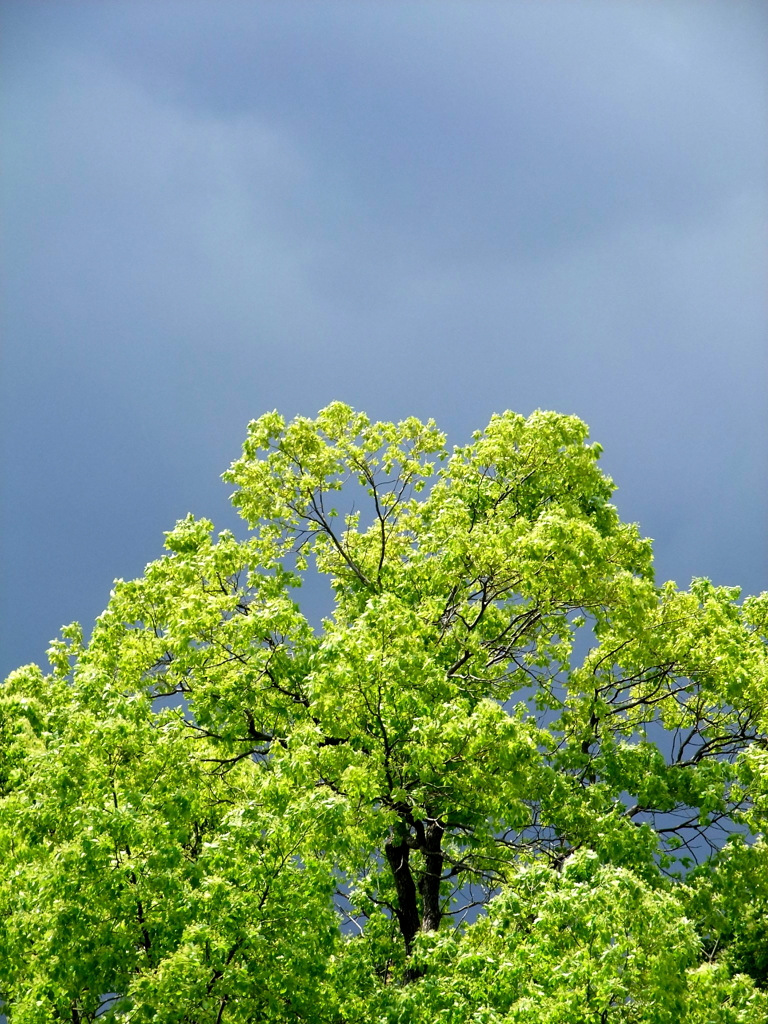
(442,209)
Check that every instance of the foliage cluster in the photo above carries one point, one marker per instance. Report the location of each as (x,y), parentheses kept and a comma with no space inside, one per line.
(509,778)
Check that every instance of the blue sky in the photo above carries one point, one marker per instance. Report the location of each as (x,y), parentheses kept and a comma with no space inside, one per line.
(442,209)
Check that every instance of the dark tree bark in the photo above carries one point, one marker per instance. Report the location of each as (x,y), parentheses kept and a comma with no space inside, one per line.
(418,906)
(407,910)
(429,883)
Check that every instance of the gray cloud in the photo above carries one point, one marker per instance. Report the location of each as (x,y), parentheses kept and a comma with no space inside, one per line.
(435,209)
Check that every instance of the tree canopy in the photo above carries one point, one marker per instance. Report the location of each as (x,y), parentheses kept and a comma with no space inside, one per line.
(508,778)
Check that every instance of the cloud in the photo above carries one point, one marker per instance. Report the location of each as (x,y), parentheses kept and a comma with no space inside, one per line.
(483,130)
(443,210)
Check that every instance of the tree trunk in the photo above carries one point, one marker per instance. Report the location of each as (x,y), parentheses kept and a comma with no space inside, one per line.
(398,854)
(407,909)
(429,883)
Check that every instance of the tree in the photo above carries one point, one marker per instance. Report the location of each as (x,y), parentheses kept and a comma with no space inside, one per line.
(214,811)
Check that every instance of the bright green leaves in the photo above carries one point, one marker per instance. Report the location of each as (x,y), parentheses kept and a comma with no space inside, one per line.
(133,868)
(181,798)
(400,739)
(535,465)
(288,492)
(529,493)
(190,535)
(24,715)
(664,708)
(728,900)
(589,944)
(213,624)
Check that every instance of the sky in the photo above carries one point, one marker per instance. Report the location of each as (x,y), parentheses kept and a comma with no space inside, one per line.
(440,209)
